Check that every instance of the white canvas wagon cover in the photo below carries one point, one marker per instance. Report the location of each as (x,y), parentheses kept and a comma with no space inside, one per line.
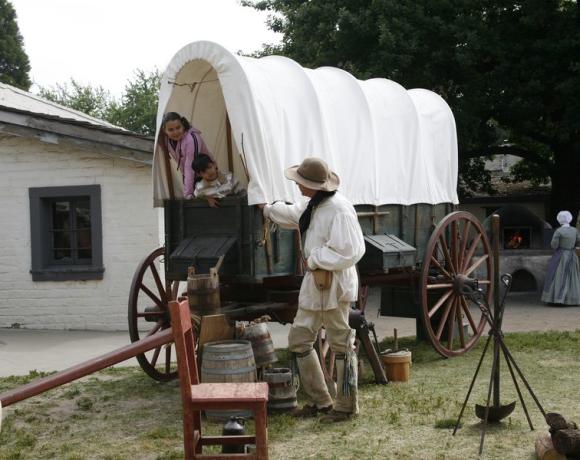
(387,144)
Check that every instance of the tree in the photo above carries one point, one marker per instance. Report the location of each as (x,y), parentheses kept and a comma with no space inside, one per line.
(94,101)
(14,64)
(135,111)
(138,108)
(510,70)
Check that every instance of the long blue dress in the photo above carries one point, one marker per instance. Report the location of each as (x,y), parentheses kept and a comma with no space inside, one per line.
(562,284)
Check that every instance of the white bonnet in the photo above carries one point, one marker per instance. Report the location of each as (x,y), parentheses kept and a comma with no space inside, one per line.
(564,217)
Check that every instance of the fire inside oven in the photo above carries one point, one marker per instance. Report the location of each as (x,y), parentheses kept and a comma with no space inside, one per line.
(517,237)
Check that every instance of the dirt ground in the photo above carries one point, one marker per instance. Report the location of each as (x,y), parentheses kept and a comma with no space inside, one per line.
(23,350)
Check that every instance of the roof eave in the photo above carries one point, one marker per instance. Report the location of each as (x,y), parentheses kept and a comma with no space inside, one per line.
(48,128)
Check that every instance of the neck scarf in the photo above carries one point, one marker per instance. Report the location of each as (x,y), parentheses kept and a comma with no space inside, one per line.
(317,199)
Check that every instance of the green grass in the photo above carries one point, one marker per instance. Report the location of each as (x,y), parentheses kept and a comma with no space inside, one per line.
(121,413)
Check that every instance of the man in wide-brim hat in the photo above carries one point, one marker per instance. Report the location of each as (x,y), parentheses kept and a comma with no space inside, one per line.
(333,244)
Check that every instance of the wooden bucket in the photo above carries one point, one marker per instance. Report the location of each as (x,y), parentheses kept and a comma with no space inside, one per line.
(262,344)
(281,391)
(397,365)
(228,361)
(203,292)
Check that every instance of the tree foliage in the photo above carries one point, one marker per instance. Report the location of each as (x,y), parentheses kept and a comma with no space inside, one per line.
(510,70)
(14,64)
(94,101)
(136,110)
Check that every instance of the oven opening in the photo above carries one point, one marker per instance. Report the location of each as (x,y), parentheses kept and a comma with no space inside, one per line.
(517,237)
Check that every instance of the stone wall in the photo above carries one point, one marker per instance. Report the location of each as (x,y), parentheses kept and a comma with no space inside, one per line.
(532,261)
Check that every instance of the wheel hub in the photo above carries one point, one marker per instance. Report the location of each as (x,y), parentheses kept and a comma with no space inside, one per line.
(464,285)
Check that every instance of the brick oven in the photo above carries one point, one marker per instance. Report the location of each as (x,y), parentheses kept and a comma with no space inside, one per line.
(524,246)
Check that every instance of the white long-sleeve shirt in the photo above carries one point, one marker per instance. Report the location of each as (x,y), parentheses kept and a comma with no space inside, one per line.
(334,242)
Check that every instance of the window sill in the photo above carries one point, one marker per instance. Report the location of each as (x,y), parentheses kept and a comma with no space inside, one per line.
(78,273)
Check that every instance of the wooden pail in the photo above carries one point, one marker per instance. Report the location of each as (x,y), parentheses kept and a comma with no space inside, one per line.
(397,365)
(281,391)
(262,344)
(203,292)
(228,361)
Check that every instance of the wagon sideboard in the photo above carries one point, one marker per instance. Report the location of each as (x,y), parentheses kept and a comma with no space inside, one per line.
(197,235)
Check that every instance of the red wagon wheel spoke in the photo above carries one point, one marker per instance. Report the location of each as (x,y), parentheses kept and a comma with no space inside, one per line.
(158,283)
(153,297)
(440,302)
(325,355)
(459,317)
(455,245)
(446,253)
(168,359)
(440,267)
(155,356)
(464,241)
(155,328)
(147,318)
(469,256)
(444,318)
(450,323)
(440,286)
(468,314)
(471,269)
(458,251)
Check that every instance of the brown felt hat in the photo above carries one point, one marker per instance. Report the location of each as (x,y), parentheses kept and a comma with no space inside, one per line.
(315,174)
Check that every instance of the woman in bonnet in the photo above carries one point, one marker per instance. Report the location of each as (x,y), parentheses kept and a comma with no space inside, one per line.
(562,284)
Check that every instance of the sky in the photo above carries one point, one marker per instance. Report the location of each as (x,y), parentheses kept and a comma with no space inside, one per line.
(103,42)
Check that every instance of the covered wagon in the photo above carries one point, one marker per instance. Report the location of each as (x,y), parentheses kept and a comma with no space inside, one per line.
(395,151)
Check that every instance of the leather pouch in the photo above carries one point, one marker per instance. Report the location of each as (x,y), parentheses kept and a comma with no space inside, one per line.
(322,279)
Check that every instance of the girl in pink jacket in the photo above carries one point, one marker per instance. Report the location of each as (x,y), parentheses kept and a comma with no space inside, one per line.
(183,142)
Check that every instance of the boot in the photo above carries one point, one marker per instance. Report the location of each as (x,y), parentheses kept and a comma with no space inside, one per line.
(347,392)
(312,381)
(310,411)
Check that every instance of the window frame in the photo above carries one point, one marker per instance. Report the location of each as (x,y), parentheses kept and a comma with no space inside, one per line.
(43,265)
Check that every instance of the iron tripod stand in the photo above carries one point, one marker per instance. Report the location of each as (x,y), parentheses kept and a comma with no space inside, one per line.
(469,287)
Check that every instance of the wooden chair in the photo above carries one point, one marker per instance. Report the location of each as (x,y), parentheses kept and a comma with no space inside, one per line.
(213,396)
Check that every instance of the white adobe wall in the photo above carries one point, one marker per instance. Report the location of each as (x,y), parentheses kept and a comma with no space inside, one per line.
(130,231)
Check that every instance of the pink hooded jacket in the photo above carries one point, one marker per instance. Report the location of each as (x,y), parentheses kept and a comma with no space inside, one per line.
(184,153)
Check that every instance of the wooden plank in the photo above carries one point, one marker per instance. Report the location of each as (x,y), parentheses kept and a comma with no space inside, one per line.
(88,367)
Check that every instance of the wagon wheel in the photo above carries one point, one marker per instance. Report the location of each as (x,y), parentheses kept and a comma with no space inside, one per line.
(458,250)
(149,314)
(325,355)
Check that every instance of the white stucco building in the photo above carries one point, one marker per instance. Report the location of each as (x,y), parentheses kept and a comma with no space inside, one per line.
(76,215)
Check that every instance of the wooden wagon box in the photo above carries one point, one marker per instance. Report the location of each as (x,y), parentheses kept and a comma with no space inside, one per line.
(384,252)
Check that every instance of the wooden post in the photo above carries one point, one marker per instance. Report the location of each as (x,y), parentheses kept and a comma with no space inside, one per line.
(375,214)
(496,306)
(168,174)
(229,144)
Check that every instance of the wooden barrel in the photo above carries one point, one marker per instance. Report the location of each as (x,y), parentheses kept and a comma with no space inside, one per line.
(228,361)
(281,391)
(203,292)
(262,344)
